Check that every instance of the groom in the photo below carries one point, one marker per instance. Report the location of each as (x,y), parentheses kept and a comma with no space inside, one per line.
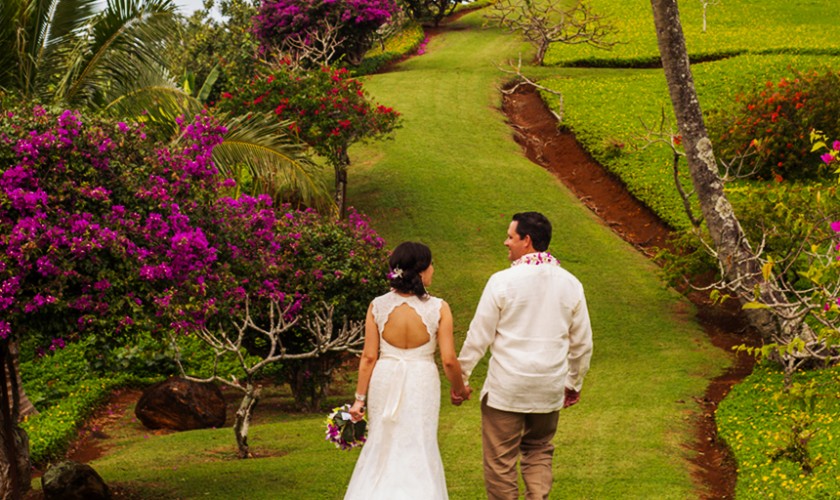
(533,317)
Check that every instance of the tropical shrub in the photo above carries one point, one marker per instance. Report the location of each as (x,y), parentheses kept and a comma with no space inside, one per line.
(106,234)
(345,266)
(67,190)
(349,26)
(326,106)
(770,126)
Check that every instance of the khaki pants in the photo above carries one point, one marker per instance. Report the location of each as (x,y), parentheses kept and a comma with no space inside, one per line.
(505,437)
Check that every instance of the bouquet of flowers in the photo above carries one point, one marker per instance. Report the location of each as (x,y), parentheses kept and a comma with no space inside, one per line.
(342,431)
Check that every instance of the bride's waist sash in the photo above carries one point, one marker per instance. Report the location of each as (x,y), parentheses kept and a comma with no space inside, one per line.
(395,393)
(409,358)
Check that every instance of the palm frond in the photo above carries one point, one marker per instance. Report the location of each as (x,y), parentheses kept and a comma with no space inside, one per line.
(150,97)
(127,37)
(276,163)
(29,30)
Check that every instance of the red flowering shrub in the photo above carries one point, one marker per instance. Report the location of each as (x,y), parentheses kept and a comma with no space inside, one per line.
(772,124)
(329,109)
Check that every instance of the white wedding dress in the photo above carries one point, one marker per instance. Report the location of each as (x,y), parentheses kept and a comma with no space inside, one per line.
(401,459)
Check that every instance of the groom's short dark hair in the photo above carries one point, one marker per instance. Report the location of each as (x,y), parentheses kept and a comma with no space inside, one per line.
(535,225)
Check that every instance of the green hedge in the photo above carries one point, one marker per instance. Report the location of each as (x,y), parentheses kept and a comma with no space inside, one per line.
(54,429)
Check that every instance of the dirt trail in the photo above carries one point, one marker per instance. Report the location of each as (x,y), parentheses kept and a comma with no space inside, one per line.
(535,129)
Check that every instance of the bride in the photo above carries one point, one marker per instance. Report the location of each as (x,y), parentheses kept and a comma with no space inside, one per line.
(399,381)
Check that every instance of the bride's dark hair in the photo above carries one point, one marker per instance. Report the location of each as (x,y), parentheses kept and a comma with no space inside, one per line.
(406,263)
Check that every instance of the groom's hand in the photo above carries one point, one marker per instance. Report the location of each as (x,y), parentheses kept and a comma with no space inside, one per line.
(572,397)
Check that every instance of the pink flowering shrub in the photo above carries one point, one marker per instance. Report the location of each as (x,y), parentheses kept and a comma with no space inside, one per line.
(103,232)
(356,20)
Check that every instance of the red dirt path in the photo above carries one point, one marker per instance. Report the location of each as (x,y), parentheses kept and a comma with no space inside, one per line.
(535,129)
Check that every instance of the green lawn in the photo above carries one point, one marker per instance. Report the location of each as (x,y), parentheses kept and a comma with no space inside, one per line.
(452,177)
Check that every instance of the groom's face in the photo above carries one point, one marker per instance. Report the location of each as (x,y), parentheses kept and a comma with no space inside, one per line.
(517,246)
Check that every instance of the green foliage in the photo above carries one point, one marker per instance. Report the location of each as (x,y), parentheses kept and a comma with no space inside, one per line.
(783,439)
(209,42)
(53,430)
(395,47)
(344,274)
(770,125)
(65,390)
(430,10)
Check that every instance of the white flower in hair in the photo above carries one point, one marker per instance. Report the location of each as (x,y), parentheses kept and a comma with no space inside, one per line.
(395,273)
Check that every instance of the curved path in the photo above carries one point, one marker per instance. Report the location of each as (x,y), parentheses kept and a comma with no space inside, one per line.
(455,188)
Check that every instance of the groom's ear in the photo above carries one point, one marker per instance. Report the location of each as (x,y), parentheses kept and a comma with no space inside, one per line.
(528,241)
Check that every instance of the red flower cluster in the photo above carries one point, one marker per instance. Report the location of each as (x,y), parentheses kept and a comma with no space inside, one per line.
(327,107)
(771,125)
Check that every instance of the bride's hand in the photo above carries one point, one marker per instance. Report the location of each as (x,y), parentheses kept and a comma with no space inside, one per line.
(357,411)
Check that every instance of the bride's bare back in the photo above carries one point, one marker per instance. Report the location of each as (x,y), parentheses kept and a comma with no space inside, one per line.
(404,328)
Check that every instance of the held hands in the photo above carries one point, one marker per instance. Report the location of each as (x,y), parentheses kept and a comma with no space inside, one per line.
(458,398)
(572,397)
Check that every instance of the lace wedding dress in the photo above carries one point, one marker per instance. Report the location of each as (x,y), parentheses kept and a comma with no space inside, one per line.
(401,459)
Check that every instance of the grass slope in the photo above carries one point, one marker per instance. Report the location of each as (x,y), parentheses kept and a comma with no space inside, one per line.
(452,178)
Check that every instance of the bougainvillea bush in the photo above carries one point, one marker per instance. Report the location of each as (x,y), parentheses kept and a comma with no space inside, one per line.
(771,125)
(305,21)
(103,232)
(68,190)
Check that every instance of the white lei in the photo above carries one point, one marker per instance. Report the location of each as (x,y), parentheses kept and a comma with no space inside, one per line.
(536,259)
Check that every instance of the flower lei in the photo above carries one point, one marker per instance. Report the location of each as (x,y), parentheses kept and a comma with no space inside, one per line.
(343,432)
(536,259)
(395,273)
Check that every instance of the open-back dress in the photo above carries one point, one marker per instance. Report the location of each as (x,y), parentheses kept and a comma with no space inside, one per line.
(401,459)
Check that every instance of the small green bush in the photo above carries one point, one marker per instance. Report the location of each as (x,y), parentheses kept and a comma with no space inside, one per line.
(51,431)
(401,44)
(772,125)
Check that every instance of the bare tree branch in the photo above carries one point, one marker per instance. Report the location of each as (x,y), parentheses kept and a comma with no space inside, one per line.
(543,22)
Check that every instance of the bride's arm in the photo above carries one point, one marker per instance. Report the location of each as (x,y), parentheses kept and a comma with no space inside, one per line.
(446,342)
(370,354)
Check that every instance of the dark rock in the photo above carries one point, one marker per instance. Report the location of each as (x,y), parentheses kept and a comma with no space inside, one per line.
(69,480)
(181,404)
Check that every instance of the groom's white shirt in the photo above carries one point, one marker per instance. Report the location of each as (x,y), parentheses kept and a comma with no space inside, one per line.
(534,320)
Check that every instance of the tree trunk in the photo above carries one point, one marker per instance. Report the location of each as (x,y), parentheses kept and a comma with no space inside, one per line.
(243,418)
(26,406)
(15,470)
(542,48)
(740,264)
(341,184)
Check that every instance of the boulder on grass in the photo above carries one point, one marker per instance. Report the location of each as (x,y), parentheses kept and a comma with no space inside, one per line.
(182,405)
(69,480)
